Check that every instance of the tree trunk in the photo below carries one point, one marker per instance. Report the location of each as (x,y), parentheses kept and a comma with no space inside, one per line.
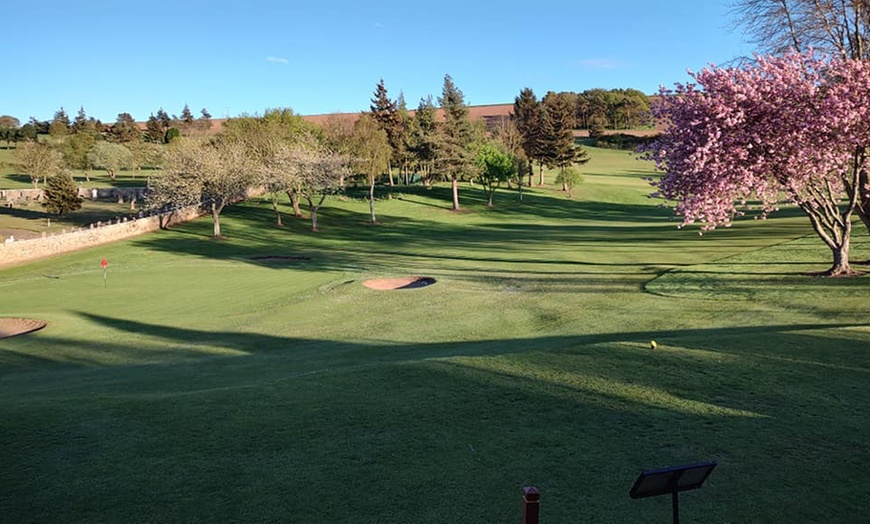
(216,219)
(840,267)
(491,193)
(541,174)
(520,188)
(372,199)
(455,184)
(390,171)
(294,201)
(313,210)
(531,172)
(277,211)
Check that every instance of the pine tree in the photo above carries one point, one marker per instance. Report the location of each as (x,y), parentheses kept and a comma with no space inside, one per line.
(204,121)
(154,130)
(527,119)
(165,121)
(61,194)
(59,124)
(557,137)
(455,159)
(386,114)
(423,140)
(126,129)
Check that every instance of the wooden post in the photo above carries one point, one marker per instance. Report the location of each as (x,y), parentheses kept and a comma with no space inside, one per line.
(531,505)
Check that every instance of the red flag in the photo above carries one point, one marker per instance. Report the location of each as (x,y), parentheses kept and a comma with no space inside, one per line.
(104,263)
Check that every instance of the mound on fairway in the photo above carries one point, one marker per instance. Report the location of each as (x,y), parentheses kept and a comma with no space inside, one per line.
(10,327)
(390,284)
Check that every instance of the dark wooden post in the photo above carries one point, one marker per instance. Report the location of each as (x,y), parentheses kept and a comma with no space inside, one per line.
(531,505)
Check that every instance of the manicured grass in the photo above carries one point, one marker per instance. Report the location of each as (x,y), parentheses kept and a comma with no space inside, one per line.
(204,384)
(11,176)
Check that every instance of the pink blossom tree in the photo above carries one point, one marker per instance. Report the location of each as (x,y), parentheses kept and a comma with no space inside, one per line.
(794,128)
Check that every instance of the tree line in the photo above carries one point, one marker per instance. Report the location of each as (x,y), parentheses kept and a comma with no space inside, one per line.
(284,154)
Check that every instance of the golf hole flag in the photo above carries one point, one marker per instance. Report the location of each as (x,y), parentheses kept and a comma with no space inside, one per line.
(104,263)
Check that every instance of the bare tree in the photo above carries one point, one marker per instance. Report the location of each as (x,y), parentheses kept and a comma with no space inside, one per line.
(838,27)
(38,161)
(319,170)
(214,173)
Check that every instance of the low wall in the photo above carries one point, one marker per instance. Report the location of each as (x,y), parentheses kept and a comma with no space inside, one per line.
(13,196)
(20,251)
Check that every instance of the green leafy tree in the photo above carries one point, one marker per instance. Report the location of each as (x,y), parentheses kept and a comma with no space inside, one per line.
(61,194)
(27,132)
(506,135)
(455,158)
(268,140)
(570,178)
(9,129)
(172,134)
(495,166)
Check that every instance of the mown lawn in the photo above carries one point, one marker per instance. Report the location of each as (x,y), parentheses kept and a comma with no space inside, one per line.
(204,383)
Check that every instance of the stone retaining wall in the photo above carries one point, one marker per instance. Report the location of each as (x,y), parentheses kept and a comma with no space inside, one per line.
(20,251)
(124,194)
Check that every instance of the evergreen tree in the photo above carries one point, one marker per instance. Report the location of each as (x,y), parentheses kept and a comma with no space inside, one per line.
(60,124)
(204,121)
(386,114)
(185,122)
(423,140)
(154,131)
(164,120)
(61,194)
(455,158)
(557,137)
(527,119)
(126,129)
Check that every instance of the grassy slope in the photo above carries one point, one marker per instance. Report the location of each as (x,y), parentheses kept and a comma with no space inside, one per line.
(202,385)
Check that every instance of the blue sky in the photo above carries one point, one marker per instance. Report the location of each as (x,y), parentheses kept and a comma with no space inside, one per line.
(324,56)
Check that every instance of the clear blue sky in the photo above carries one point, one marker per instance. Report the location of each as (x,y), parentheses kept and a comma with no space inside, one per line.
(324,56)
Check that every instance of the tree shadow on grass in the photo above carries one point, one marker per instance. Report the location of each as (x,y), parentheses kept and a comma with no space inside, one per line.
(204,435)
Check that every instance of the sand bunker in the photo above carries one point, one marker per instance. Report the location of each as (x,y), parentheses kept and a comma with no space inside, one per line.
(399,283)
(10,327)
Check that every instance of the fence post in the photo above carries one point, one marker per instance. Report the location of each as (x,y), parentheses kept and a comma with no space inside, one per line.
(531,505)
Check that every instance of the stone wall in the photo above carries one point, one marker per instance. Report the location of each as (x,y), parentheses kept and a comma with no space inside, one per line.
(20,251)
(122,194)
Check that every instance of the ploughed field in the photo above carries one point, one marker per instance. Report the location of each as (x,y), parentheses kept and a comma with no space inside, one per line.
(256,378)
